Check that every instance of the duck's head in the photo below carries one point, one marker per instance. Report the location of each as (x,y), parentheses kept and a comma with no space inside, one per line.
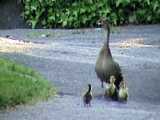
(102,22)
(112,79)
(89,85)
(89,88)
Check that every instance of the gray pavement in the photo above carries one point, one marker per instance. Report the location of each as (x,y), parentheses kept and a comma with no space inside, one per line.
(68,62)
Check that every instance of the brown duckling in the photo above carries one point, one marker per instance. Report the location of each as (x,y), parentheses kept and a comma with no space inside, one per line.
(87,96)
(123,91)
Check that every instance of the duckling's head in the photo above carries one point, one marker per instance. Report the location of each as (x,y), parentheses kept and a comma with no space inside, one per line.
(112,79)
(89,87)
(122,84)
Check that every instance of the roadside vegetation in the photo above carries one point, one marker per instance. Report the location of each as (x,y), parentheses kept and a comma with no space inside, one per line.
(85,13)
(21,85)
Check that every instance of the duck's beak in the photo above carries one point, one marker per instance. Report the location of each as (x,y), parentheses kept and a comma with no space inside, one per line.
(99,23)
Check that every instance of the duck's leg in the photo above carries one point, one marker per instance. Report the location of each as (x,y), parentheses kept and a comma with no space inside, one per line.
(102,86)
(84,104)
(89,104)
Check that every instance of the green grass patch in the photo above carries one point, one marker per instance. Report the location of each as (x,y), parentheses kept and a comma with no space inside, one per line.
(21,85)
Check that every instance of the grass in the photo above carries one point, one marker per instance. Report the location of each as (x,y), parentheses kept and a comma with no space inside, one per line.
(21,85)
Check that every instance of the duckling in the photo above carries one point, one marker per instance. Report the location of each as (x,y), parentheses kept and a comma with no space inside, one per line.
(123,91)
(111,91)
(87,96)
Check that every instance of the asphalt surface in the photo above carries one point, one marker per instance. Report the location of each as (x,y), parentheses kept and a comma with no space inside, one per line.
(68,61)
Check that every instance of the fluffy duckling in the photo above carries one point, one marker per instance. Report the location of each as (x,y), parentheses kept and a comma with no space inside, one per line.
(123,91)
(87,96)
(111,91)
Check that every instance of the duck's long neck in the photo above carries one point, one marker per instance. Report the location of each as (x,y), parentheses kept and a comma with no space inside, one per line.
(107,28)
(89,89)
(108,34)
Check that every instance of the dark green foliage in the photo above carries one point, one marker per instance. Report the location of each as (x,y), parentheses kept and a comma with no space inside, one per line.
(85,13)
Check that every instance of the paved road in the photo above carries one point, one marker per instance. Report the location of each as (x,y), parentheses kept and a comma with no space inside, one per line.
(68,60)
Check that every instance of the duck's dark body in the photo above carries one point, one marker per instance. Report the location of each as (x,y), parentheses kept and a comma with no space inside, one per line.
(87,96)
(105,64)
